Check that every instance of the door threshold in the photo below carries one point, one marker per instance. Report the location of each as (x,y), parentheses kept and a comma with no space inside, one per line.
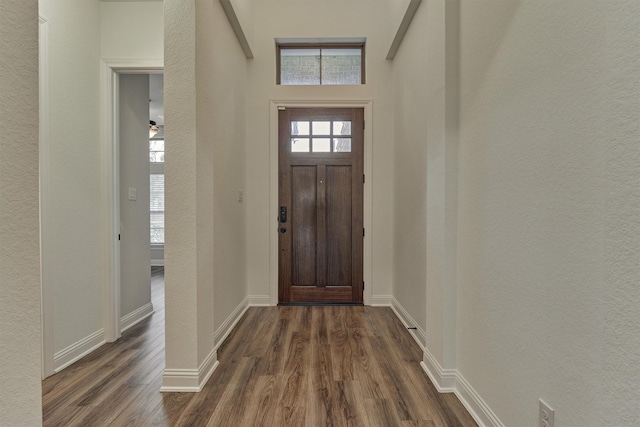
(320,304)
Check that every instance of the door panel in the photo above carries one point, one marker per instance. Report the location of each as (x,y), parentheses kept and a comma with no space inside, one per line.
(339,225)
(304,224)
(321,186)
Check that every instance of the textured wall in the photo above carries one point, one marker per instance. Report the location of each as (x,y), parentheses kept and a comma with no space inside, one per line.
(20,388)
(181,254)
(549,230)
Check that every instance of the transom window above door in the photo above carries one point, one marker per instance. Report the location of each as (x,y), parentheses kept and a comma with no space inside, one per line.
(320,63)
(321,136)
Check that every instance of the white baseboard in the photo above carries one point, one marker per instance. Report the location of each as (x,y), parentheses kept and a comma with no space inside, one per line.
(452,381)
(136,317)
(227,326)
(192,380)
(477,407)
(443,379)
(408,321)
(381,300)
(189,380)
(448,380)
(78,350)
(259,301)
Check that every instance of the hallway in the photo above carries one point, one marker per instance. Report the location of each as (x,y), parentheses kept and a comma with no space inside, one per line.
(312,366)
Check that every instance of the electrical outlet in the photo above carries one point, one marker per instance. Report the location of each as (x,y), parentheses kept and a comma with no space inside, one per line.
(545,415)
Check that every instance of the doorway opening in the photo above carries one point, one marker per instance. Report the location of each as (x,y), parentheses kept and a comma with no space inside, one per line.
(126,141)
(140,161)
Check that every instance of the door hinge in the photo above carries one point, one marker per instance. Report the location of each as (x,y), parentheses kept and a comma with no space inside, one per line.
(363,179)
(363,232)
(118,237)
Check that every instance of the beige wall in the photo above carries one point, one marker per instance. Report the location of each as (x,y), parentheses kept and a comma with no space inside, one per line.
(530,230)
(132,30)
(222,115)
(288,18)
(20,388)
(411,98)
(549,220)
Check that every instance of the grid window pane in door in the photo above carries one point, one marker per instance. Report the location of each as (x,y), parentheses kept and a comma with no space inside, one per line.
(299,128)
(300,145)
(342,145)
(321,136)
(321,127)
(342,128)
(321,145)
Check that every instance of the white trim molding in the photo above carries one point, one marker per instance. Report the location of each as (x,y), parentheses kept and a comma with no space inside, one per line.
(136,316)
(381,300)
(189,380)
(232,16)
(452,381)
(109,69)
(193,380)
(443,379)
(259,301)
(78,350)
(46,242)
(477,407)
(230,322)
(412,8)
(367,105)
(447,380)
(409,322)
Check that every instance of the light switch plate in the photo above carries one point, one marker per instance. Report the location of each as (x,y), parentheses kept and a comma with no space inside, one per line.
(132,193)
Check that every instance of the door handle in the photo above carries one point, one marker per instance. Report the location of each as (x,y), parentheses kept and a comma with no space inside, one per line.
(283,230)
(283,214)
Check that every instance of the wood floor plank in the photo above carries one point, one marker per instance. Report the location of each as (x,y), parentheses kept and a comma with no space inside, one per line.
(261,410)
(140,409)
(291,404)
(280,366)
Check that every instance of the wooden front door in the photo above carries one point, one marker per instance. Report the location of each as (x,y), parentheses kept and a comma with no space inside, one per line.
(321,178)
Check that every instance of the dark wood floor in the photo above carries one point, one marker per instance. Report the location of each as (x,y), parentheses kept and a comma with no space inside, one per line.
(281,366)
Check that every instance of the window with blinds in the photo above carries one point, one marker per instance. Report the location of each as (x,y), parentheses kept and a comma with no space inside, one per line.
(156,193)
(320,64)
